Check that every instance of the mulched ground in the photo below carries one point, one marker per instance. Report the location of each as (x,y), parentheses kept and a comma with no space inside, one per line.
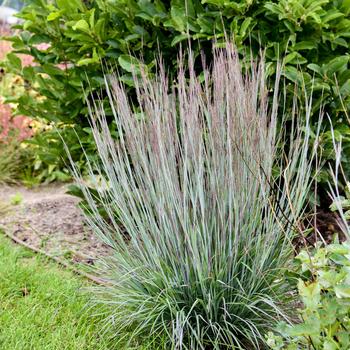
(48,218)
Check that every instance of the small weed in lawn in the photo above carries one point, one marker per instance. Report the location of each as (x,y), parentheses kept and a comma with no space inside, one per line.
(16,199)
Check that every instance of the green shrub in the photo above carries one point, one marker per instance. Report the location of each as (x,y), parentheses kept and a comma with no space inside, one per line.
(209,229)
(310,36)
(324,291)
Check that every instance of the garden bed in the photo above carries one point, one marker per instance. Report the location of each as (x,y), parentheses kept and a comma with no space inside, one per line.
(48,219)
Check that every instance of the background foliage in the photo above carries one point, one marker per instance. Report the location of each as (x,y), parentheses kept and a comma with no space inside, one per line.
(69,38)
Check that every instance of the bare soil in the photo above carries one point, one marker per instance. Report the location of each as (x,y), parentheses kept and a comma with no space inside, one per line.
(49,219)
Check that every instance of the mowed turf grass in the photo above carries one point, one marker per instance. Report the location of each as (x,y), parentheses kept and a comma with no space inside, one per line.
(41,305)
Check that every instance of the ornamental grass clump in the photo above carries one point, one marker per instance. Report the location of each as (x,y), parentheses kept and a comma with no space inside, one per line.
(202,206)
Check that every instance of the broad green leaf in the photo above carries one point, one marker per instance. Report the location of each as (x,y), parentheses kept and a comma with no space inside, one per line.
(309,328)
(82,25)
(342,290)
(340,42)
(340,259)
(275,9)
(339,202)
(14,61)
(315,68)
(310,293)
(128,80)
(336,65)
(245,26)
(344,339)
(178,21)
(332,15)
(304,45)
(330,344)
(179,38)
(54,15)
(92,18)
(70,5)
(130,64)
(328,312)
(326,278)
(338,248)
(345,89)
(346,6)
(294,58)
(28,73)
(52,70)
(38,39)
(86,61)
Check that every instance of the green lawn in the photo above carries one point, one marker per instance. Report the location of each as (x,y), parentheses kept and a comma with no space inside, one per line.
(41,305)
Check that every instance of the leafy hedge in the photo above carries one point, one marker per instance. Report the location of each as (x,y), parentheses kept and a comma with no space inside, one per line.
(69,38)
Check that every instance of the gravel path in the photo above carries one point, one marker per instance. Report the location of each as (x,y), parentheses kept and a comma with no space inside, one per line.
(48,218)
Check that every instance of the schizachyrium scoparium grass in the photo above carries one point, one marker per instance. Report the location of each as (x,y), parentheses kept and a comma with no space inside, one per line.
(209,227)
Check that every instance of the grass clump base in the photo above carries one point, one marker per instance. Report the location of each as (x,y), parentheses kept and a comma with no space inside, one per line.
(209,202)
